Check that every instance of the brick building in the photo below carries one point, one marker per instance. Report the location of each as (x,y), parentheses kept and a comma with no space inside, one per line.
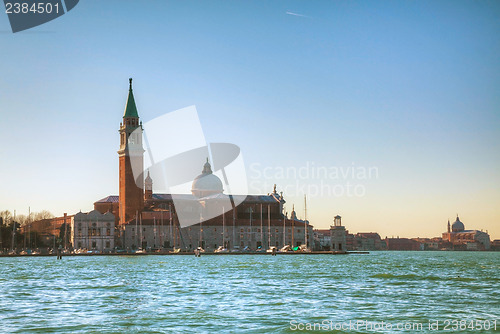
(402,244)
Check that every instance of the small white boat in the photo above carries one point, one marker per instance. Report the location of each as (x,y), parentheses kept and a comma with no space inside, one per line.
(286,248)
(272,249)
(303,248)
(221,250)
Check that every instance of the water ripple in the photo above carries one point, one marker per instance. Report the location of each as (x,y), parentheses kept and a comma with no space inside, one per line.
(246,293)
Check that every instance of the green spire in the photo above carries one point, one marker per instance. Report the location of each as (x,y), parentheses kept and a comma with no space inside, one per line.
(130,109)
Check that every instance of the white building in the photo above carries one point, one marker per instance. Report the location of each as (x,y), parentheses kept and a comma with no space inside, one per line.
(93,231)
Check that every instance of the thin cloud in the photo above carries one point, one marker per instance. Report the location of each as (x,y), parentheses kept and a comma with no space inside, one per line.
(296,14)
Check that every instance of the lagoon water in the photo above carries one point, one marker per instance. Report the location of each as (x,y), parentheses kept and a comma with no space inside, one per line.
(250,293)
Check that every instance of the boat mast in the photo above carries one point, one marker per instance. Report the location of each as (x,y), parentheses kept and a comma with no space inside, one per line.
(284,227)
(293,226)
(223,228)
(140,222)
(269,226)
(261,228)
(89,235)
(250,236)
(29,213)
(170,227)
(65,236)
(14,230)
(29,227)
(161,227)
(201,232)
(154,232)
(305,219)
(234,226)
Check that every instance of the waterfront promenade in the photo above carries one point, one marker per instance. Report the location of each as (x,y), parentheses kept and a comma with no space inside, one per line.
(187,253)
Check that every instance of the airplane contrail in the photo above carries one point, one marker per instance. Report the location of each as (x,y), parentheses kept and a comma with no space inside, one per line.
(295,14)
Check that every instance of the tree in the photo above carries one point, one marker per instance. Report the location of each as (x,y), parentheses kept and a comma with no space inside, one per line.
(22,219)
(44,214)
(15,225)
(6,216)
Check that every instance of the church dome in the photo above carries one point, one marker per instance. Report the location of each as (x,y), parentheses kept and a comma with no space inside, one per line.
(457,226)
(206,183)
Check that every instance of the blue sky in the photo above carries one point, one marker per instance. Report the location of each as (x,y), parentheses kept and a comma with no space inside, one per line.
(409,87)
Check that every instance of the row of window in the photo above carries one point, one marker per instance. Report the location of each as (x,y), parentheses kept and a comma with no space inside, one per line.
(95,232)
(79,225)
(94,244)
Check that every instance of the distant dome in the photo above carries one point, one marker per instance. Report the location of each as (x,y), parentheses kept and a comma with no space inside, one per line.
(457,226)
(206,183)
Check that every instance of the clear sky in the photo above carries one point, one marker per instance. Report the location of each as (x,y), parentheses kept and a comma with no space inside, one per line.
(410,88)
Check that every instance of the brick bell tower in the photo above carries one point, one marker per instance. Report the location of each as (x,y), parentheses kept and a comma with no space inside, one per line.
(131,152)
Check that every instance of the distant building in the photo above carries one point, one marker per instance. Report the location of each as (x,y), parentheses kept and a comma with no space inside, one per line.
(111,204)
(349,239)
(338,235)
(402,244)
(462,239)
(368,241)
(48,230)
(322,239)
(93,231)
(429,243)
